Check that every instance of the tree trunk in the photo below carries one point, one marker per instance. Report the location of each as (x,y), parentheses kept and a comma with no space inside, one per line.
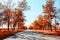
(8,23)
(55,23)
(50,25)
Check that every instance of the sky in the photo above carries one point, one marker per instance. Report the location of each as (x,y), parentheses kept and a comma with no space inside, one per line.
(35,9)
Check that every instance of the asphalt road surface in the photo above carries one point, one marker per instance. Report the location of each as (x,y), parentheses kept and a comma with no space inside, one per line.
(30,35)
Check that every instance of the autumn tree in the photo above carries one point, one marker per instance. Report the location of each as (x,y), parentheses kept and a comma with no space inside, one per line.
(14,16)
(37,24)
(49,11)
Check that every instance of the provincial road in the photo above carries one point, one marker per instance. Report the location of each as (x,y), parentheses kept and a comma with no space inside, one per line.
(30,35)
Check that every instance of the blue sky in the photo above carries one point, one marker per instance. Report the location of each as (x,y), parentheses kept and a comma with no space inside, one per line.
(36,9)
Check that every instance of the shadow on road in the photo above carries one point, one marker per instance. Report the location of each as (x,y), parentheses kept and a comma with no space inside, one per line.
(14,36)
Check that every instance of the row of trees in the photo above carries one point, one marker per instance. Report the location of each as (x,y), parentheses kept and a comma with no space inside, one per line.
(45,22)
(13,17)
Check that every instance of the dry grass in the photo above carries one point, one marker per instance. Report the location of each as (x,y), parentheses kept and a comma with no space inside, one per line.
(53,32)
(5,33)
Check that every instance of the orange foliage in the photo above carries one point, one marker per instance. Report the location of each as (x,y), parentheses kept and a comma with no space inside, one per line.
(34,25)
(7,10)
